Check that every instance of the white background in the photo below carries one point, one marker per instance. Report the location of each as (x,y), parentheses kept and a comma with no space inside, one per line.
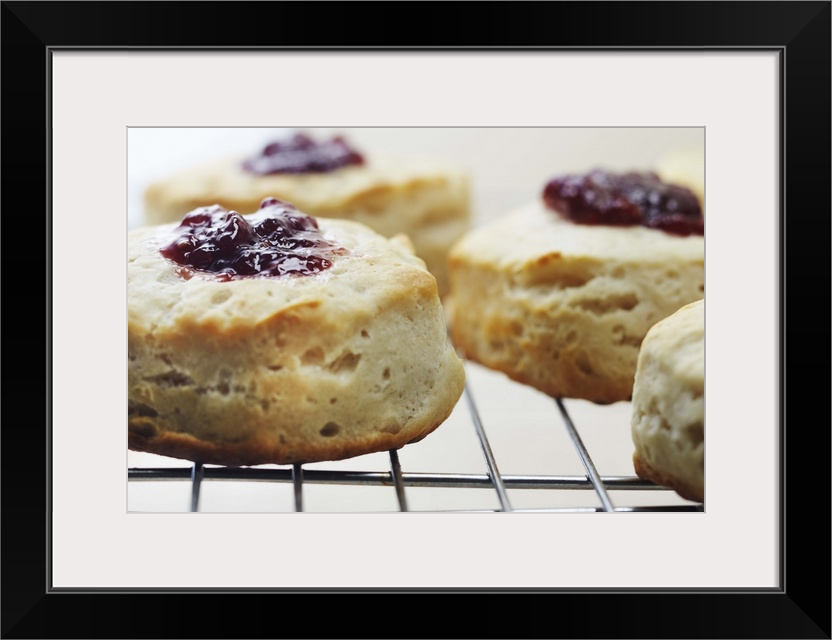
(98,96)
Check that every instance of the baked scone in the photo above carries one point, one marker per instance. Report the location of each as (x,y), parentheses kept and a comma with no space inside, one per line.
(426,199)
(278,338)
(559,294)
(668,423)
(685,166)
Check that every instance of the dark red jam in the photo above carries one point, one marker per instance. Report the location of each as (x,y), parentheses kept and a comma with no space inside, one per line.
(277,240)
(302,154)
(626,199)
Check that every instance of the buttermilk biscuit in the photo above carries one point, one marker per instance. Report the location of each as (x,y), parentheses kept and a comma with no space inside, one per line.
(563,307)
(349,359)
(668,423)
(426,199)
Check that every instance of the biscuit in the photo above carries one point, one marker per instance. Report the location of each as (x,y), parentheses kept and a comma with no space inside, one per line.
(668,423)
(563,307)
(426,199)
(352,358)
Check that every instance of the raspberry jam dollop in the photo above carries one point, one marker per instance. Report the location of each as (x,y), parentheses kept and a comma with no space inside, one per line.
(277,240)
(301,154)
(626,199)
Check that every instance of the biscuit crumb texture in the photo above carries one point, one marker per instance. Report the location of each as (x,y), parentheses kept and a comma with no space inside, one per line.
(668,423)
(425,199)
(352,360)
(564,307)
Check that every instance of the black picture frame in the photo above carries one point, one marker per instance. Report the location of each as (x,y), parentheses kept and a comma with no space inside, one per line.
(798,31)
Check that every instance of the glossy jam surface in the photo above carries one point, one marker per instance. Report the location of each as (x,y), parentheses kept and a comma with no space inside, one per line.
(277,240)
(625,199)
(302,154)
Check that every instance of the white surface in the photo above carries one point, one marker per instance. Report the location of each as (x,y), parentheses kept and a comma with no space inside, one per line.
(97,96)
(508,168)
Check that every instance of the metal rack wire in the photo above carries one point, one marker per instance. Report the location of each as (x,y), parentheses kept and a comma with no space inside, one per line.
(400,481)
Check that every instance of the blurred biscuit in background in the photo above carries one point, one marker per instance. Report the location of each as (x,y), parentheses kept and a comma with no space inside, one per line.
(426,198)
(685,166)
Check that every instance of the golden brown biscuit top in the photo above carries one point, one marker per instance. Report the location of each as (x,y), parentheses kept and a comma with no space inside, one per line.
(225,180)
(534,236)
(374,266)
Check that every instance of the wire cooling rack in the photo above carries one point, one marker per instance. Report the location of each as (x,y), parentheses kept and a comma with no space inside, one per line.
(491,490)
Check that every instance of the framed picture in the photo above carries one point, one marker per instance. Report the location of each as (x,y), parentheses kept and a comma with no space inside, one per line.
(79,77)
